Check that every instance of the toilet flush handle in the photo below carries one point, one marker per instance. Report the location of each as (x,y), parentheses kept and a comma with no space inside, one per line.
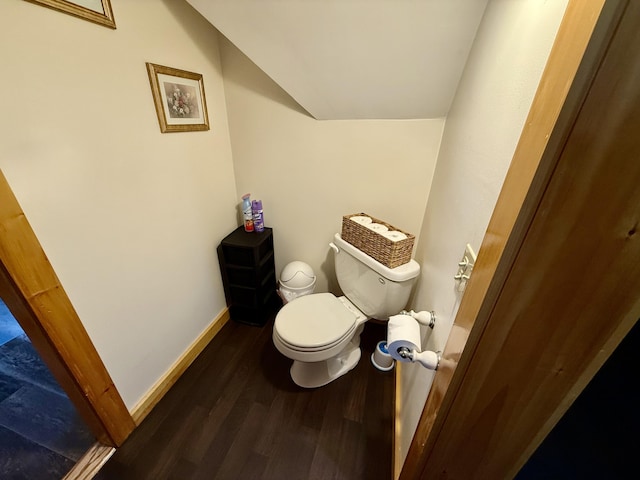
(334,247)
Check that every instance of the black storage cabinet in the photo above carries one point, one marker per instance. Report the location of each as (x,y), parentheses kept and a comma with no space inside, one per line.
(249,275)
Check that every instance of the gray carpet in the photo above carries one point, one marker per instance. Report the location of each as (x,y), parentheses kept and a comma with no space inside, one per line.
(41,434)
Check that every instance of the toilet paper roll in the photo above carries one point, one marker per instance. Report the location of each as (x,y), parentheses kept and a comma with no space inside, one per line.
(394,235)
(403,331)
(361,219)
(376,227)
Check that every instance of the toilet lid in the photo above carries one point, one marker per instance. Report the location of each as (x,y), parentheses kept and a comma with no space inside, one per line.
(314,321)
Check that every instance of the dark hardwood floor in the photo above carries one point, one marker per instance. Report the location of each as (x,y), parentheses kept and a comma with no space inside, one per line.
(236,413)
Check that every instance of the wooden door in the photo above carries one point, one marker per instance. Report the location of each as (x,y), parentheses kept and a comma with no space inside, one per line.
(557,281)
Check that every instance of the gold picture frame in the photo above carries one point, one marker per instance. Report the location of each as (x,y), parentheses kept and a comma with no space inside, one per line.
(96,11)
(179,99)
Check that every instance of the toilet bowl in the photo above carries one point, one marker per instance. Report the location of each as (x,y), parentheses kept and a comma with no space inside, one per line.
(321,332)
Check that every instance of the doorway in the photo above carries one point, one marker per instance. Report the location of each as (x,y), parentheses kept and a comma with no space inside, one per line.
(41,433)
(32,290)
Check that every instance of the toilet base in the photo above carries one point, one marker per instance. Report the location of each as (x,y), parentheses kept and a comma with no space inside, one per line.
(317,374)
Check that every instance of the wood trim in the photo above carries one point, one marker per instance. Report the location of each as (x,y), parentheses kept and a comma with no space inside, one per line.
(396,456)
(33,293)
(562,66)
(162,386)
(90,463)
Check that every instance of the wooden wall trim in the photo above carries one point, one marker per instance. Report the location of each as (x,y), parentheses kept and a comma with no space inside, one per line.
(560,72)
(396,456)
(91,462)
(162,386)
(33,293)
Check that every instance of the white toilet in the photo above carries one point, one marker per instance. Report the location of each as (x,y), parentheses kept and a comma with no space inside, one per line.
(321,332)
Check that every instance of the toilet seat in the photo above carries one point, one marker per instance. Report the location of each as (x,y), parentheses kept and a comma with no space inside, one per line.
(297,348)
(315,322)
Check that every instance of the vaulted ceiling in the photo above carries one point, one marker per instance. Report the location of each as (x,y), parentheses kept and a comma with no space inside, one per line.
(355,59)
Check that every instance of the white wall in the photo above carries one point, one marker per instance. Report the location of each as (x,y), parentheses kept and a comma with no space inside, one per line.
(480,136)
(129,217)
(310,173)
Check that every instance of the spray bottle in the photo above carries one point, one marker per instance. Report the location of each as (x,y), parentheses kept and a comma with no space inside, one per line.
(258,217)
(246,213)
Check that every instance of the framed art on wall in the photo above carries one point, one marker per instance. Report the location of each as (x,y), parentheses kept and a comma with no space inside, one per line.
(179,99)
(97,11)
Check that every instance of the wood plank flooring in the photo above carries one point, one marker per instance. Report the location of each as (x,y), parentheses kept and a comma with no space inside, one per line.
(236,413)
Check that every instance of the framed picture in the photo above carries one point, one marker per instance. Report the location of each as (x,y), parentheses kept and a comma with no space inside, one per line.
(179,99)
(97,11)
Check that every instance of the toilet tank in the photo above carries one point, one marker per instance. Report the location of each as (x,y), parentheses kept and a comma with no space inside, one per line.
(378,291)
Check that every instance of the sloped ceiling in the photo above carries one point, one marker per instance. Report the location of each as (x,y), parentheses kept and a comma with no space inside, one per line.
(355,59)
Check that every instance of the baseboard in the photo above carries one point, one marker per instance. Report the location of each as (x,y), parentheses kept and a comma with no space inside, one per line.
(90,463)
(162,386)
(396,457)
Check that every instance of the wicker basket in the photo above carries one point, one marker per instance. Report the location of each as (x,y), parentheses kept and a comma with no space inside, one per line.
(384,250)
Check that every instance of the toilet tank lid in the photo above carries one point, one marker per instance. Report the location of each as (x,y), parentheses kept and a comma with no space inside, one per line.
(400,273)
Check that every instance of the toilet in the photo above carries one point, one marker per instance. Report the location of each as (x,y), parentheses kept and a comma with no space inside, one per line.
(321,332)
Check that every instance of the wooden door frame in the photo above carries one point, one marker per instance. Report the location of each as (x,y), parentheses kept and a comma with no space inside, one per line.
(456,434)
(35,297)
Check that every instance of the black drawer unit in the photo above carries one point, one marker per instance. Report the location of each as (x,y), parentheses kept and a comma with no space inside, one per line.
(249,275)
